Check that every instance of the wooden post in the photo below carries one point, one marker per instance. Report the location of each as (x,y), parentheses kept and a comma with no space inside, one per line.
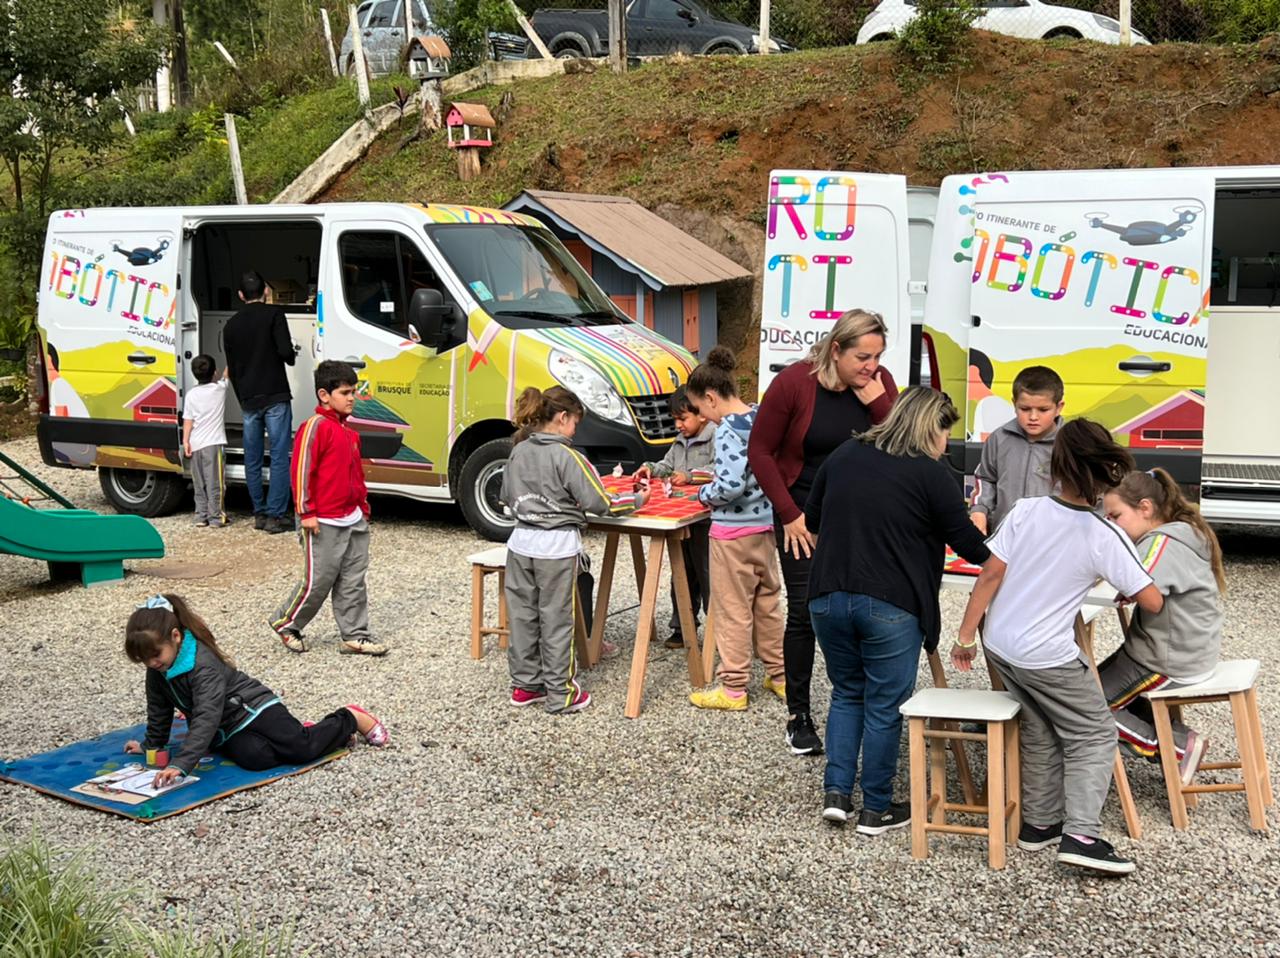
(328,41)
(1126,23)
(529,31)
(237,171)
(430,111)
(160,13)
(227,56)
(468,163)
(357,54)
(764,26)
(618,35)
(408,24)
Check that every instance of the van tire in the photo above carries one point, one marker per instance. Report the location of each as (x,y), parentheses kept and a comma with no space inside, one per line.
(479,482)
(142,492)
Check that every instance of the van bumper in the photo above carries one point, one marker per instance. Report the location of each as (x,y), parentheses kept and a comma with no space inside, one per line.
(608,443)
(68,431)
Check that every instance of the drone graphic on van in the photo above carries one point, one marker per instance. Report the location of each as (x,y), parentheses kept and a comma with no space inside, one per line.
(1147,232)
(141,255)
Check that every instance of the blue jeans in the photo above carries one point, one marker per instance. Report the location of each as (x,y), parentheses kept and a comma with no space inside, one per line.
(872,650)
(277,419)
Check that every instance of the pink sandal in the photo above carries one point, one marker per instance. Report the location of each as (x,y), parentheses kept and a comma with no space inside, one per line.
(377,736)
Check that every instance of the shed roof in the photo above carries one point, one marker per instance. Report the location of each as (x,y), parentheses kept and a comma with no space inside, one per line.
(633,237)
(474,114)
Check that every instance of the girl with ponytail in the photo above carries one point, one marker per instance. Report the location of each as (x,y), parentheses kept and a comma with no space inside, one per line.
(226,710)
(1180,644)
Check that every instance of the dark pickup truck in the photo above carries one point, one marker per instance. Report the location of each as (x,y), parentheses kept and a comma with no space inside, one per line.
(654,28)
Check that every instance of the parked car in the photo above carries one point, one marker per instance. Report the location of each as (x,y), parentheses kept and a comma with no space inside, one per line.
(1029,19)
(507,46)
(654,28)
(382,34)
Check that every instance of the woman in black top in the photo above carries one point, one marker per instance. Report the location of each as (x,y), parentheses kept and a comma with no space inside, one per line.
(873,589)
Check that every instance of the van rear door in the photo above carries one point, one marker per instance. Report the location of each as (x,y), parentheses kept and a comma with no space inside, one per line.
(1104,277)
(835,241)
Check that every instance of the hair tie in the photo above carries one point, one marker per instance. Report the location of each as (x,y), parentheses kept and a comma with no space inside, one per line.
(157,602)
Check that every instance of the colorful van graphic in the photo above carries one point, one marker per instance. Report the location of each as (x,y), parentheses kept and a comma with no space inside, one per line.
(447,312)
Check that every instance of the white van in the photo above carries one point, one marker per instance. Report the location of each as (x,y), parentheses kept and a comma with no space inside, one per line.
(1109,277)
(447,312)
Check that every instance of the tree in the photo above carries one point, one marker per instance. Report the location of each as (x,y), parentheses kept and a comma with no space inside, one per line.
(63,64)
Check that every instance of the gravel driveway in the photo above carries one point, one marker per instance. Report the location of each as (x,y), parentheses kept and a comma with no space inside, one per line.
(484,830)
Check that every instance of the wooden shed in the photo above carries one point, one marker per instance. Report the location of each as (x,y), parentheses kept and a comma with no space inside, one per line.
(657,274)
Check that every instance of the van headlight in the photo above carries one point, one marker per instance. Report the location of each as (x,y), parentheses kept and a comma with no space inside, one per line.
(1108,24)
(589,386)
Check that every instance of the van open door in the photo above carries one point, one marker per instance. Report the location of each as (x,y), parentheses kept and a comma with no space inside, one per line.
(1104,277)
(835,241)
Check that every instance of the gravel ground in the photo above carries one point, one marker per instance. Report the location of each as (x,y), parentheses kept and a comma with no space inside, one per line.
(483,830)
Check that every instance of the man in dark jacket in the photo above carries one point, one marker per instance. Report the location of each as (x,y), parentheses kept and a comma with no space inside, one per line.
(258,348)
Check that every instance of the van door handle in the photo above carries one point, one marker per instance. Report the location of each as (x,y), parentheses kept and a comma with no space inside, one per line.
(1145,366)
(141,359)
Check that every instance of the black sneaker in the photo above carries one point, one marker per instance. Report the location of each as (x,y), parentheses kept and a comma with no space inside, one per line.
(1032,839)
(278,524)
(877,823)
(260,520)
(802,736)
(674,641)
(836,807)
(1098,856)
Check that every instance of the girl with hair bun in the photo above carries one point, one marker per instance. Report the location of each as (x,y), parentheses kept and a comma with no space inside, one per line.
(746,587)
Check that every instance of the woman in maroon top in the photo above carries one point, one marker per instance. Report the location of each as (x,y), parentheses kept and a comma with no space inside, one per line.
(809,410)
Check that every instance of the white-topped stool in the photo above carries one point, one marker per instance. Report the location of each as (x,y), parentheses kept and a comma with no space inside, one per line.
(1236,682)
(929,805)
(483,564)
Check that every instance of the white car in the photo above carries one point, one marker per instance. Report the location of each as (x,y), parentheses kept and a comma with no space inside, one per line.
(1029,19)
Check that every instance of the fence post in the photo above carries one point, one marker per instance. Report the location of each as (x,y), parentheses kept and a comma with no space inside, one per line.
(1126,23)
(328,41)
(618,35)
(237,171)
(764,26)
(529,31)
(357,55)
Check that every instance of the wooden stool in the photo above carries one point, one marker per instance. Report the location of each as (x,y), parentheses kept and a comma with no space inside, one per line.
(484,564)
(1235,682)
(999,711)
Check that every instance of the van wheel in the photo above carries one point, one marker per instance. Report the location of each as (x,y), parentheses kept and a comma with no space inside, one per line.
(480,484)
(1063,33)
(142,491)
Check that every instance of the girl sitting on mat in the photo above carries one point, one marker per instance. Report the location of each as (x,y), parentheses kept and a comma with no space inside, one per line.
(227,711)
(1180,644)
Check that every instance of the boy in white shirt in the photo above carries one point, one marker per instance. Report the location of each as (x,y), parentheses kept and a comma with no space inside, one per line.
(204,440)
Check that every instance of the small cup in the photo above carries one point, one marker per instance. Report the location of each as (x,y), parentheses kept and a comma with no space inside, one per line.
(158,757)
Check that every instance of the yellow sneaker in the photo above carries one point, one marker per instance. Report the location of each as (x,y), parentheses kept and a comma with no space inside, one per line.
(777,686)
(718,698)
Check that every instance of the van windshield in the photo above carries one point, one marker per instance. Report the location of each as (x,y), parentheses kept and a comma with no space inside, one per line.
(523,277)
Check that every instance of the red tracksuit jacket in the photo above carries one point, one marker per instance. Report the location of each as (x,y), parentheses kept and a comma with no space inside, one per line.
(328,481)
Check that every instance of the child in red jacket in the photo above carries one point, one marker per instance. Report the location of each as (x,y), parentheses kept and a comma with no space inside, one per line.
(333,504)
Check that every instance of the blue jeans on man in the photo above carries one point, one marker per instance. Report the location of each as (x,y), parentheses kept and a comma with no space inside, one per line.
(872,651)
(276,421)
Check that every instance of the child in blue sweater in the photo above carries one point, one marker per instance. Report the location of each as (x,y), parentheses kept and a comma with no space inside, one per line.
(745,582)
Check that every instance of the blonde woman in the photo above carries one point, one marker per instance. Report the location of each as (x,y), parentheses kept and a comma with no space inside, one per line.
(809,410)
(882,509)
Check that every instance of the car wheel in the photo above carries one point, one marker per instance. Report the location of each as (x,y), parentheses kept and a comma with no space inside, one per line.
(142,492)
(479,486)
(569,46)
(724,50)
(881,38)
(1063,33)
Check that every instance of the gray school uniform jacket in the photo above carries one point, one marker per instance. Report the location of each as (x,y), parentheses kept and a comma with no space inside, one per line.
(550,485)
(686,455)
(1012,468)
(1184,639)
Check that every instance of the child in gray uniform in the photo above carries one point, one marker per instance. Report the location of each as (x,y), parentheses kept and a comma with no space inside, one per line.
(1181,643)
(1015,458)
(690,461)
(204,440)
(550,487)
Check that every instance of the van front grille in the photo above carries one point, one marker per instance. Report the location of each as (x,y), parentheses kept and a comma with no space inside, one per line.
(653,416)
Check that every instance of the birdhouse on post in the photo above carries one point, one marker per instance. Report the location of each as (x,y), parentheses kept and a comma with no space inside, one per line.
(429,58)
(470,127)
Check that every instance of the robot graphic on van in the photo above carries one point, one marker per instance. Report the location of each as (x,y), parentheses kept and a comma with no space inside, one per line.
(141,255)
(1148,232)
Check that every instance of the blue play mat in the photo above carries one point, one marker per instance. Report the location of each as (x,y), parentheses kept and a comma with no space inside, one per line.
(56,773)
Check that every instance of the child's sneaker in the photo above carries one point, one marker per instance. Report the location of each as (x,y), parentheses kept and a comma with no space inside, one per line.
(522,697)
(1033,839)
(362,647)
(377,736)
(777,686)
(579,701)
(1097,855)
(201,522)
(718,698)
(897,815)
(1192,756)
(292,640)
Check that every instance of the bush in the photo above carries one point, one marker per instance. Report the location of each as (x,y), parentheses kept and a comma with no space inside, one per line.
(935,38)
(465,23)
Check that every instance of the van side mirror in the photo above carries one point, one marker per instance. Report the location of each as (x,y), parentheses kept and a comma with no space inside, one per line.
(431,317)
